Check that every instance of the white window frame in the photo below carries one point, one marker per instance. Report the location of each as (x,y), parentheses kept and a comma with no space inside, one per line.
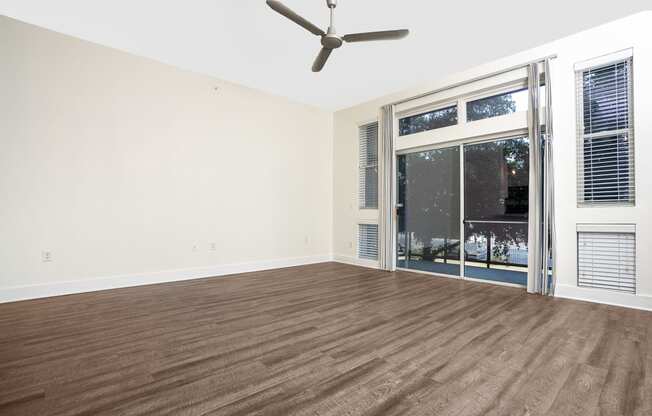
(464,132)
(359,173)
(580,68)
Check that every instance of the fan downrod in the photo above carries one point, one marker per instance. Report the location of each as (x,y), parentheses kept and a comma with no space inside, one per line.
(330,40)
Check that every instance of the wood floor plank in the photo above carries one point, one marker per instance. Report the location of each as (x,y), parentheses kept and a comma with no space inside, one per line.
(581,392)
(324,339)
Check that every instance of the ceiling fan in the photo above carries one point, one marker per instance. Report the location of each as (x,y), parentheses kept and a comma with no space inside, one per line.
(330,40)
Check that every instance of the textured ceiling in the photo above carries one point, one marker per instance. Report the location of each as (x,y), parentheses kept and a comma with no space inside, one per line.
(244,41)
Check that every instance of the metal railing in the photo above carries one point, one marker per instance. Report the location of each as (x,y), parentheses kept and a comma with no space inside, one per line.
(517,255)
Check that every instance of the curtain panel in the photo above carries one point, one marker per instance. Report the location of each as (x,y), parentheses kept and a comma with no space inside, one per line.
(386,172)
(541,238)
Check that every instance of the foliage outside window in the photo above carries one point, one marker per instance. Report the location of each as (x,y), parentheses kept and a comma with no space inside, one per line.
(431,120)
(497,105)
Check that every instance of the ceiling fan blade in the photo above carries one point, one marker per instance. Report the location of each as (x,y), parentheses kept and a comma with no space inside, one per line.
(321,59)
(279,7)
(370,36)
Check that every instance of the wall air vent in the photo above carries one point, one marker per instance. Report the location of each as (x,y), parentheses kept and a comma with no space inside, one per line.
(606,257)
(368,241)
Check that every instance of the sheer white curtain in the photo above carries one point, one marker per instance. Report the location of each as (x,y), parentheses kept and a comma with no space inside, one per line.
(386,189)
(549,189)
(541,237)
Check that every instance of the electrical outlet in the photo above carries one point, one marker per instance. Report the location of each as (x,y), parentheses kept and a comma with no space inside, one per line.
(306,240)
(213,247)
(350,244)
(46,256)
(195,248)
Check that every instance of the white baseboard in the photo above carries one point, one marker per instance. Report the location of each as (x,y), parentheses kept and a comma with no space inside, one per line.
(16,293)
(356,261)
(643,302)
(608,297)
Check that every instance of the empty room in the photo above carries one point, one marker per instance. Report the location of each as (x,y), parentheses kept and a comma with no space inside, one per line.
(325,207)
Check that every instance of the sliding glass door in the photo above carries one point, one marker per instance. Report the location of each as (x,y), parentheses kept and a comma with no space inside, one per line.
(429,211)
(495,207)
(496,194)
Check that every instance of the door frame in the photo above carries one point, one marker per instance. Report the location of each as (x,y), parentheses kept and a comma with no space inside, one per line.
(485,138)
(462,206)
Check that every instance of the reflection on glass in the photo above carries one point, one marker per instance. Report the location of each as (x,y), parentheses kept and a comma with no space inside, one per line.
(496,193)
(497,105)
(429,211)
(431,120)
(606,98)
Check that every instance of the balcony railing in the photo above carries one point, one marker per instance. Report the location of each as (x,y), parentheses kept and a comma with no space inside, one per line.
(480,250)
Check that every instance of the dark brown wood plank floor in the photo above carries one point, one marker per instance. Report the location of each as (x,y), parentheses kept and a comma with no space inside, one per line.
(327,339)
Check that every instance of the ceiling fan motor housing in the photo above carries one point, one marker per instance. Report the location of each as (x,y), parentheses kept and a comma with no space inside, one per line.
(331,3)
(331,41)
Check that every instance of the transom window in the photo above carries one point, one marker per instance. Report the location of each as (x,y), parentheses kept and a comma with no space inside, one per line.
(497,105)
(435,119)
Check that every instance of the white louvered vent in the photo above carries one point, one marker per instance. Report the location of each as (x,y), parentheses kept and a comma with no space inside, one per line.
(605,132)
(368,241)
(607,259)
(368,166)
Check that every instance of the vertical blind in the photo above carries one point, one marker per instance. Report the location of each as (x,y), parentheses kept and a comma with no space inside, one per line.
(605,134)
(368,241)
(607,260)
(368,186)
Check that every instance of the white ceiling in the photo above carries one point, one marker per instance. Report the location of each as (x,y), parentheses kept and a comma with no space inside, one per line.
(246,42)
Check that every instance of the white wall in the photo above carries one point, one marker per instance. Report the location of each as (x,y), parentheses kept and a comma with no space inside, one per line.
(119,165)
(632,32)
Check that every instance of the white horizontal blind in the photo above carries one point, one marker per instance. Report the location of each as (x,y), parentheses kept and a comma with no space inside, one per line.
(368,186)
(607,260)
(368,241)
(605,134)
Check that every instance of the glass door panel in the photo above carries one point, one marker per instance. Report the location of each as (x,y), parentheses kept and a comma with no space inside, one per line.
(496,195)
(429,211)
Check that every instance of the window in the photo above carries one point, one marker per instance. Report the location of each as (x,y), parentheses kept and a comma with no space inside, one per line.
(605,133)
(368,192)
(606,259)
(431,120)
(497,105)
(368,241)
